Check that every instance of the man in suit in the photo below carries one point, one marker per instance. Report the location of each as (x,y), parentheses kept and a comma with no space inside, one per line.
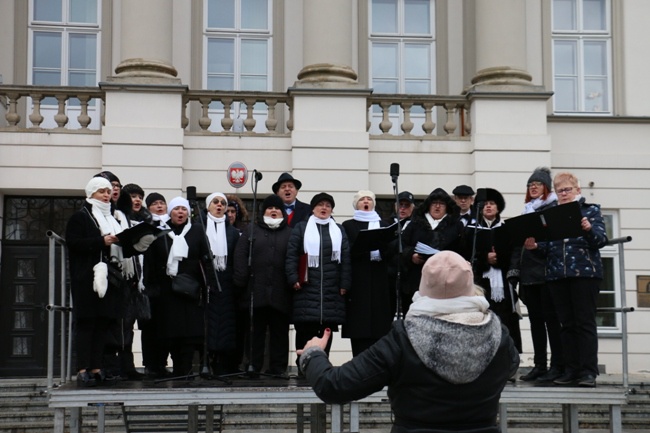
(287,189)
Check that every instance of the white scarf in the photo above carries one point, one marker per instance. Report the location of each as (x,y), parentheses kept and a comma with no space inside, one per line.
(433,222)
(494,275)
(425,306)
(161,220)
(273,223)
(108,225)
(536,203)
(312,240)
(216,233)
(373,219)
(178,250)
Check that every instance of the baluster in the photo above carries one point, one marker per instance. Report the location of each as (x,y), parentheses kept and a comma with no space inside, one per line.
(103,115)
(226,122)
(184,119)
(271,121)
(407,125)
(429,125)
(368,115)
(83,118)
(385,123)
(290,121)
(36,117)
(12,115)
(60,117)
(205,121)
(450,125)
(249,122)
(468,121)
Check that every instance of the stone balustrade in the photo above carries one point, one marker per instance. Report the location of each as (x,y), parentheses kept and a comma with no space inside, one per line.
(392,116)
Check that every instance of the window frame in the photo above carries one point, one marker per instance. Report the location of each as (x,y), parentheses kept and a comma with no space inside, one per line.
(402,39)
(582,36)
(612,252)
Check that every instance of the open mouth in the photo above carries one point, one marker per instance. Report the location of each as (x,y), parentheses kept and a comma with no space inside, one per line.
(366,207)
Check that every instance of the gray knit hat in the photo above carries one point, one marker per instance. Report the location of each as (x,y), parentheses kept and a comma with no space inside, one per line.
(542,174)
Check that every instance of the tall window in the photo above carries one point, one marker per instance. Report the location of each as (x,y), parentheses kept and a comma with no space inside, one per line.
(582,56)
(64,41)
(402,53)
(238,42)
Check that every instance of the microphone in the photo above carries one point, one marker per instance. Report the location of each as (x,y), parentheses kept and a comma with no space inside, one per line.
(191,193)
(394,171)
(258,175)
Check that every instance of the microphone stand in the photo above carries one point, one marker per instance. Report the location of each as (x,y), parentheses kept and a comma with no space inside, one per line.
(250,370)
(205,368)
(398,277)
(478,210)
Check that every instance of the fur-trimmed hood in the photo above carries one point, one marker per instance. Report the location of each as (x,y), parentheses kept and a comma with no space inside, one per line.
(457,347)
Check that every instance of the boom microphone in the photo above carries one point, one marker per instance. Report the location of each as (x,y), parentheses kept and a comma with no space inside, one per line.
(258,175)
(394,171)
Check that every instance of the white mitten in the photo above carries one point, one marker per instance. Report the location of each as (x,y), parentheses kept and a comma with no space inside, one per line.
(100,283)
(144,242)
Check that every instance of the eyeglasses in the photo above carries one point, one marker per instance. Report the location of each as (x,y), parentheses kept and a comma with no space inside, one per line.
(564,190)
(438,203)
(221,202)
(405,205)
(116,185)
(535,184)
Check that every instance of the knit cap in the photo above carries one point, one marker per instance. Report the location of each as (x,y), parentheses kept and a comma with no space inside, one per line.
(446,275)
(542,174)
(95,184)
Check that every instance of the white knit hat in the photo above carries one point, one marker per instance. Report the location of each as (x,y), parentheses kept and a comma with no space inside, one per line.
(178,201)
(361,194)
(95,184)
(446,275)
(211,197)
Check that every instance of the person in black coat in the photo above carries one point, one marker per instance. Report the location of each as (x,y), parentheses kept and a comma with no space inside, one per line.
(181,251)
(92,242)
(226,331)
(436,224)
(322,245)
(528,270)
(368,308)
(267,279)
(287,189)
(445,364)
(492,260)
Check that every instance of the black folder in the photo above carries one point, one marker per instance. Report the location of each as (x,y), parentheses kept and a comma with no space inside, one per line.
(558,222)
(133,234)
(374,239)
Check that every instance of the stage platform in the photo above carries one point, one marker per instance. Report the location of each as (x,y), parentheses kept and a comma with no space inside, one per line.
(267,391)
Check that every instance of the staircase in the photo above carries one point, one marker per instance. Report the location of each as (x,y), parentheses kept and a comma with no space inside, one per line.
(24,409)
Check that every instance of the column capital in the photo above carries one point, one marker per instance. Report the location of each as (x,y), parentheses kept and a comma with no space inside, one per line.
(137,69)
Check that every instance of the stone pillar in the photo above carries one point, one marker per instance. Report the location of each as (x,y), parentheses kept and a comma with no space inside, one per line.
(146,44)
(327,41)
(501,42)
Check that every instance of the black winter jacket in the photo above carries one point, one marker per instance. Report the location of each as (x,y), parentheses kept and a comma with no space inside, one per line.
(86,246)
(269,279)
(452,382)
(320,300)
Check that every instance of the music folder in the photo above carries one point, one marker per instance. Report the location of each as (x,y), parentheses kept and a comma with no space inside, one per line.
(374,239)
(133,234)
(558,222)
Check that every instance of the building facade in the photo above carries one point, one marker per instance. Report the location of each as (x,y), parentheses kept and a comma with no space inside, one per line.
(168,94)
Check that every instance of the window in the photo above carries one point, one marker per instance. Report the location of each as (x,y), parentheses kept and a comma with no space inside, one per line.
(610,289)
(402,52)
(64,41)
(582,56)
(238,53)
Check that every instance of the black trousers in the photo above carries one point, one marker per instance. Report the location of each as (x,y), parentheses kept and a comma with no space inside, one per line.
(543,324)
(90,341)
(575,302)
(277,324)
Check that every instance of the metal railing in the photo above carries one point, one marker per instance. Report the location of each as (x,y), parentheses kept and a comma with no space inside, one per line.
(65,311)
